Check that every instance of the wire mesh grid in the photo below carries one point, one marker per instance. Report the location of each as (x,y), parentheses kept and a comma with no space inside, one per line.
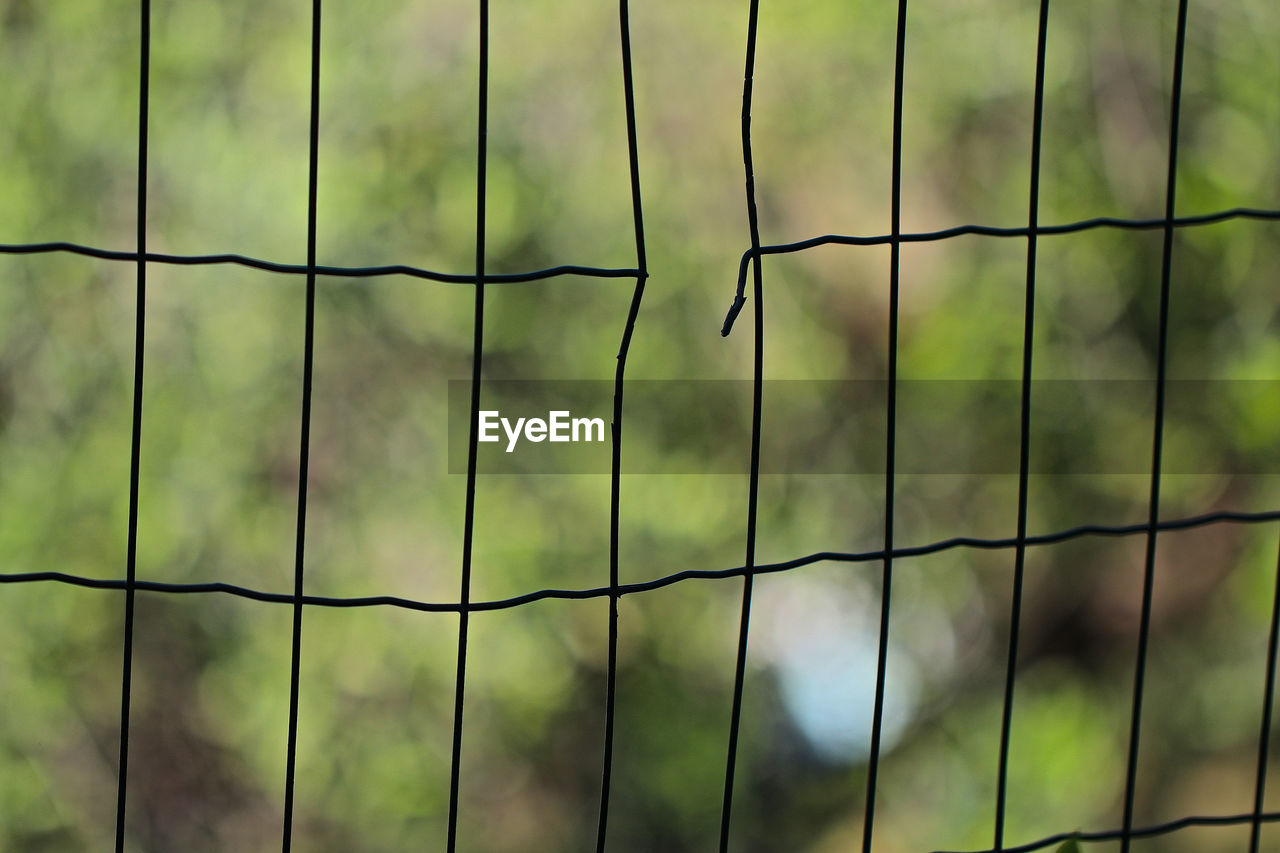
(750,270)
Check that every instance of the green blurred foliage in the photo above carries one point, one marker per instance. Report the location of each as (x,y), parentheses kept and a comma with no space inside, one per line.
(227,172)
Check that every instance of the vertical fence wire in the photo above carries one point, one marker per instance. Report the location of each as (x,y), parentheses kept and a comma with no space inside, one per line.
(1157,440)
(1024,441)
(891,409)
(757,395)
(1268,707)
(1268,710)
(615,475)
(477,355)
(135,447)
(304,441)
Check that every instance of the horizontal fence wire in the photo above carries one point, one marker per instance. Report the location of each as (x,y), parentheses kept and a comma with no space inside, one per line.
(1135,832)
(318,269)
(878,555)
(1104,222)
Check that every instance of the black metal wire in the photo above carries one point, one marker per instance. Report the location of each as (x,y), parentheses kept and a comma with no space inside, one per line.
(1138,832)
(304,441)
(1215,217)
(615,497)
(1024,442)
(875,556)
(477,358)
(1268,707)
(757,395)
(319,269)
(891,431)
(1157,439)
(622,272)
(135,446)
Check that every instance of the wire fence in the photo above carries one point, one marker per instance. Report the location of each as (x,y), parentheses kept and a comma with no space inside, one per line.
(751,270)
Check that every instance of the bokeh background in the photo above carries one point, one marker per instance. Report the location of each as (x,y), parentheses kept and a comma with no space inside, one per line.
(222,395)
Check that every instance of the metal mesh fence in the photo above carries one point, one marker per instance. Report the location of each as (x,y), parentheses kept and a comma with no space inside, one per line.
(751,270)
